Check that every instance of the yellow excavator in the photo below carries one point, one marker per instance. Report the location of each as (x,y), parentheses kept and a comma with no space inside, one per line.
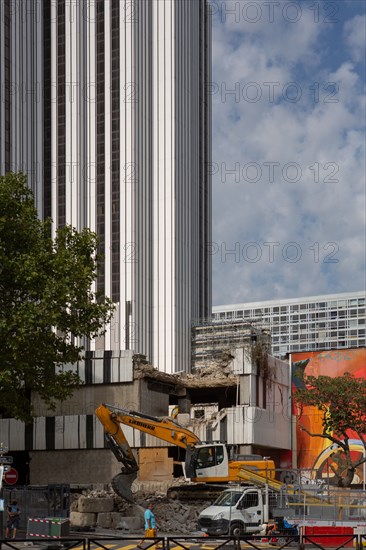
(205,463)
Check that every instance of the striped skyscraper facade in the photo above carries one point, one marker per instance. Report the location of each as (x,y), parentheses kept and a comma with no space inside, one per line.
(105,102)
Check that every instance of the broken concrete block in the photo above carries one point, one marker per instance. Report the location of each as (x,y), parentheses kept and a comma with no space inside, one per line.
(74,506)
(95,505)
(79,519)
(129,523)
(104,520)
(115,519)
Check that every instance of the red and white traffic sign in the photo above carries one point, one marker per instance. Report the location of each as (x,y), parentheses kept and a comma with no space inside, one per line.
(11,477)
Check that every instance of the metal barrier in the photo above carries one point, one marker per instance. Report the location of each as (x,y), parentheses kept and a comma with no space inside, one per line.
(323,503)
(303,542)
(39,502)
(55,528)
(184,542)
(164,543)
(343,540)
(69,543)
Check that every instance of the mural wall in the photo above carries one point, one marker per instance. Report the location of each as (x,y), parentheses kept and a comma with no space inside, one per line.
(314,452)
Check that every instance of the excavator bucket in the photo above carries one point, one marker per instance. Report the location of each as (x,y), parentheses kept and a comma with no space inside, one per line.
(122,485)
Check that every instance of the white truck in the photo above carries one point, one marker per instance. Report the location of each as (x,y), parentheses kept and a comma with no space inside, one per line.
(238,511)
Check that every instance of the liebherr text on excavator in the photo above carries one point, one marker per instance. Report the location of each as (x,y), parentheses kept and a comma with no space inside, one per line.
(204,462)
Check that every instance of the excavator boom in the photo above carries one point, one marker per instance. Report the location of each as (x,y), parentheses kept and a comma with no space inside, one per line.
(165,429)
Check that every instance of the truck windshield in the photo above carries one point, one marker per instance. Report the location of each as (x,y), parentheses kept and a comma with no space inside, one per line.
(227,499)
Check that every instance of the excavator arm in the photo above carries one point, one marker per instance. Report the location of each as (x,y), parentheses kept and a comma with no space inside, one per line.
(205,462)
(165,429)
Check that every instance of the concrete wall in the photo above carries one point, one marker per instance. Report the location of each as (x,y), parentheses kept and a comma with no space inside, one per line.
(86,399)
(95,466)
(270,428)
(245,425)
(74,467)
(154,398)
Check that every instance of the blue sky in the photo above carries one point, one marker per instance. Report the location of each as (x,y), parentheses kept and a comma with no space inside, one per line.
(288,162)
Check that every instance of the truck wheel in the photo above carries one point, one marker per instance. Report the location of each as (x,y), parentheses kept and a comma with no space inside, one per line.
(237,529)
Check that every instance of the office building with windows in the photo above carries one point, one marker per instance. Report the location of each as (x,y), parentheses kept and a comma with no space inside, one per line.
(104,104)
(334,321)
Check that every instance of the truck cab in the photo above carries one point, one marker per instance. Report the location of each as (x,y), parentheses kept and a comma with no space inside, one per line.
(235,512)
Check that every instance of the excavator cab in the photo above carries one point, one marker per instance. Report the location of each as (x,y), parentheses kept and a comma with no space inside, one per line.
(210,460)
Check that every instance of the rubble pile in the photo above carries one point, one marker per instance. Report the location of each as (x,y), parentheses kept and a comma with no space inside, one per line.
(104,509)
(215,372)
(174,516)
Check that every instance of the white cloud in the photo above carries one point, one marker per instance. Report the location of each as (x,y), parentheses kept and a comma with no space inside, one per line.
(318,138)
(355,36)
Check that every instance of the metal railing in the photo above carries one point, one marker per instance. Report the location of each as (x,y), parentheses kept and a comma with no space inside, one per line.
(301,542)
(324,504)
(80,543)
(335,541)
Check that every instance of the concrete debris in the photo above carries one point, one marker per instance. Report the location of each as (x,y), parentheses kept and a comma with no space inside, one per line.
(142,369)
(82,519)
(213,373)
(130,523)
(217,371)
(95,505)
(172,516)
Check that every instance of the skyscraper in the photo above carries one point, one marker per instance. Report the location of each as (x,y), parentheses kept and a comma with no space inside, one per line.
(105,102)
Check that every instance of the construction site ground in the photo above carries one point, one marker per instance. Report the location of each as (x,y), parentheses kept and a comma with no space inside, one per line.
(176,520)
(172,516)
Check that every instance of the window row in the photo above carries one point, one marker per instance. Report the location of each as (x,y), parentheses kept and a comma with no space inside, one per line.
(282,351)
(269,312)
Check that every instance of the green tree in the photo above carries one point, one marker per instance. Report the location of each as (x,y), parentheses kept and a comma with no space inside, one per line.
(47,304)
(342,404)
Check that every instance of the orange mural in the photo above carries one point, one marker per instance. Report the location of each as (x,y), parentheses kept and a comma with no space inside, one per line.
(314,452)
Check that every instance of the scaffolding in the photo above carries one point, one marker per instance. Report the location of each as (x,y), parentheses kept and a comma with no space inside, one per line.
(212,340)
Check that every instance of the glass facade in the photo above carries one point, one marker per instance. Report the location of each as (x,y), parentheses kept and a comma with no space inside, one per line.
(306,324)
(115,136)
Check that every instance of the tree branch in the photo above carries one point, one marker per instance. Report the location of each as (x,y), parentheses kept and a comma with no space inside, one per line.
(325,436)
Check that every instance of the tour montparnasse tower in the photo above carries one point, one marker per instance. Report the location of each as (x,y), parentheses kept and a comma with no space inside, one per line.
(106,106)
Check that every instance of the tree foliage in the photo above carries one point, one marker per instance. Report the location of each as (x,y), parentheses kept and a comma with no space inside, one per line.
(342,404)
(47,304)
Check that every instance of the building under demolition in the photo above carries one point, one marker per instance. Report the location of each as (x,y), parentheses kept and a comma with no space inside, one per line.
(241,398)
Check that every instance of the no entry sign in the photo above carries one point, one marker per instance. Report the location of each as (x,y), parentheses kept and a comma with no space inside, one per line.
(11,477)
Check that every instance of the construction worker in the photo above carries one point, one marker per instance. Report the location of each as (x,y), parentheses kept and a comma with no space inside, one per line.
(12,524)
(150,524)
